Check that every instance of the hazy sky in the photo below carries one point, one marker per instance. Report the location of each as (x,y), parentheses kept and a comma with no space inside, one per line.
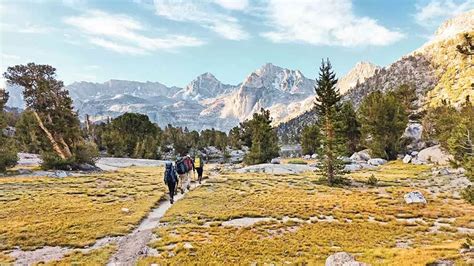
(174,41)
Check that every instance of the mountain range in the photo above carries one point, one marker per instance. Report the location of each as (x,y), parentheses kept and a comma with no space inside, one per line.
(436,70)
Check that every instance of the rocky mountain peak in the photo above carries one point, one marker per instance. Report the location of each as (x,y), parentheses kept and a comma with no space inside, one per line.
(204,86)
(358,74)
(463,22)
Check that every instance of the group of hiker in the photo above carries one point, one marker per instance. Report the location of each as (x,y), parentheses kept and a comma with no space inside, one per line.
(178,176)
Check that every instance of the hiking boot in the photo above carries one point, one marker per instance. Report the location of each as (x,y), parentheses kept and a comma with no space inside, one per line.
(182,191)
(189,187)
(171,201)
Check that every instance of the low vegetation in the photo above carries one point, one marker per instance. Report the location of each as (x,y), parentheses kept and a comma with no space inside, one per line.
(75,211)
(308,221)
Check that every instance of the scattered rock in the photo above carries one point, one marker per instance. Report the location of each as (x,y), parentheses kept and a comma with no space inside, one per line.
(314,156)
(24,171)
(414,153)
(363,155)
(275,161)
(188,245)
(352,167)
(307,157)
(435,155)
(377,161)
(342,259)
(441,263)
(346,160)
(277,168)
(88,167)
(125,210)
(407,158)
(414,197)
(60,174)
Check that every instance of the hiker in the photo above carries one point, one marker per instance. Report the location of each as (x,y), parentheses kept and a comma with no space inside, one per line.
(170,179)
(189,165)
(199,166)
(183,172)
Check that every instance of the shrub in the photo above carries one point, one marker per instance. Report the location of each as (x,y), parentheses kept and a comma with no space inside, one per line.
(86,152)
(8,155)
(297,161)
(372,181)
(468,194)
(53,161)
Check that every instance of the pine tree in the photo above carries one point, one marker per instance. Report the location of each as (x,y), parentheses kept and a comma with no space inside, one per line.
(310,139)
(264,145)
(383,118)
(8,157)
(327,107)
(52,108)
(349,128)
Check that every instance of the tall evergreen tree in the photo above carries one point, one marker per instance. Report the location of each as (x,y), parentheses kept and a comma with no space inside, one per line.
(383,118)
(8,157)
(327,107)
(349,128)
(264,145)
(310,139)
(52,108)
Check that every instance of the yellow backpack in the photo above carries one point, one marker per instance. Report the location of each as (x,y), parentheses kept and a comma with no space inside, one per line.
(197,162)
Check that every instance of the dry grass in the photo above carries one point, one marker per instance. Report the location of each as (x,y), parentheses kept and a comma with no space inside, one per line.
(369,221)
(75,211)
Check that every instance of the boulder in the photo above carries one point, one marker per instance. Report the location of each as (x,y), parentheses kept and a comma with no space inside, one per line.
(407,158)
(307,157)
(88,167)
(275,161)
(376,161)
(276,168)
(414,153)
(314,156)
(346,160)
(413,131)
(342,259)
(363,155)
(352,167)
(414,197)
(435,155)
(441,263)
(60,174)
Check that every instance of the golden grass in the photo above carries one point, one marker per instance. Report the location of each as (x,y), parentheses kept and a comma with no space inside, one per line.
(377,221)
(75,211)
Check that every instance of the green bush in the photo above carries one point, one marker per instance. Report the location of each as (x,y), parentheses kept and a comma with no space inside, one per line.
(372,181)
(468,194)
(86,152)
(297,161)
(8,155)
(53,161)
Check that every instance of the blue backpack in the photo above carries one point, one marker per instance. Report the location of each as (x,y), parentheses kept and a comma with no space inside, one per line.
(170,174)
(181,167)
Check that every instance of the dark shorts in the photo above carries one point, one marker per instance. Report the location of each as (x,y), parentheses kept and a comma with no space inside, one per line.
(199,171)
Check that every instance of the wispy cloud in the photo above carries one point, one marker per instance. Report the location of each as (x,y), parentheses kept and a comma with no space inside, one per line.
(433,12)
(28,28)
(324,22)
(233,4)
(124,34)
(205,15)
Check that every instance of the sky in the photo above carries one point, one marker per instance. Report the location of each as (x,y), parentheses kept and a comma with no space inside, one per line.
(172,42)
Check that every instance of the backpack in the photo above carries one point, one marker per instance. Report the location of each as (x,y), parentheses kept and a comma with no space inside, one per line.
(170,175)
(197,162)
(189,164)
(181,167)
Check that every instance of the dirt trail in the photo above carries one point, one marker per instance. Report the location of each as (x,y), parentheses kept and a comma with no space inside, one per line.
(130,247)
(134,245)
